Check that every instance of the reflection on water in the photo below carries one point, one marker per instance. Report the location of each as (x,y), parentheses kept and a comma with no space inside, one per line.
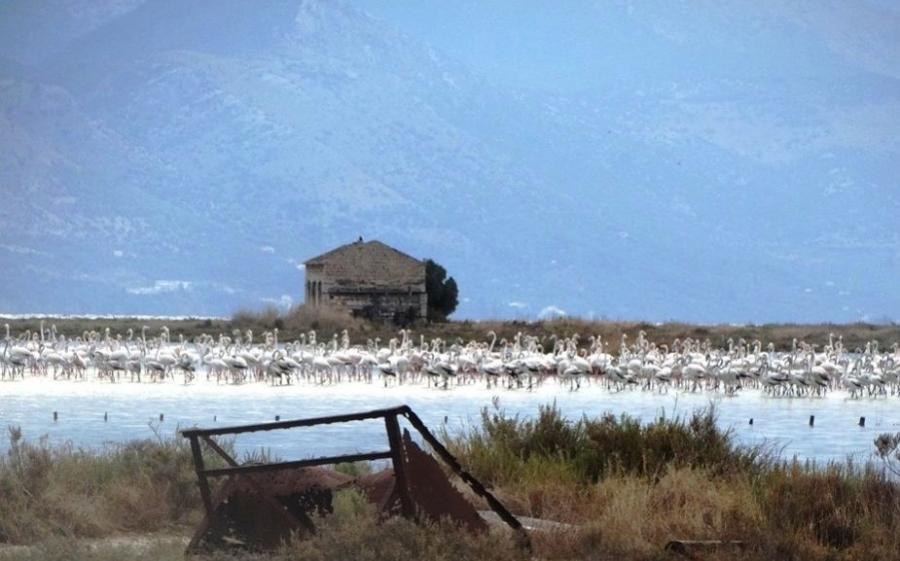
(147,410)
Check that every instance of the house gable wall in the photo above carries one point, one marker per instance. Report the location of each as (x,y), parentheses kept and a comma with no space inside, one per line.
(367,278)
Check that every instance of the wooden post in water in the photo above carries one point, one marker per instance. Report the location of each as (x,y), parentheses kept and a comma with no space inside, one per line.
(862,421)
(812,420)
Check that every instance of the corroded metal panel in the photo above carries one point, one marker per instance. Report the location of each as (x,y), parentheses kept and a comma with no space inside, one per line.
(431,491)
(263,505)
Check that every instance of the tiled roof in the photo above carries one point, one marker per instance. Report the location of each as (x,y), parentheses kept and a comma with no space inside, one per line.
(370,263)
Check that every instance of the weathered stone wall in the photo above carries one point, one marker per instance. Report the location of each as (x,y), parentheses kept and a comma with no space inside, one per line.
(370,279)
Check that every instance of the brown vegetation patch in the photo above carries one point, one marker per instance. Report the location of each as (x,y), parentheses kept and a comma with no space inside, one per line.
(302,319)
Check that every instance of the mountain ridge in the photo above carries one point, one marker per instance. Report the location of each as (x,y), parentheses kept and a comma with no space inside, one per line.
(197,177)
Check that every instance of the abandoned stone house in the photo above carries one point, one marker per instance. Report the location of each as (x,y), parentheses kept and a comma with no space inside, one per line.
(368,279)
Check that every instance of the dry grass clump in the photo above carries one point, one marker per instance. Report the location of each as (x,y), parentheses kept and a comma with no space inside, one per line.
(631,517)
(326,320)
(300,320)
(139,486)
(626,517)
(832,511)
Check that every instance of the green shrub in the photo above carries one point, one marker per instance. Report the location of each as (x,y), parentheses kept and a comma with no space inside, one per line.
(505,446)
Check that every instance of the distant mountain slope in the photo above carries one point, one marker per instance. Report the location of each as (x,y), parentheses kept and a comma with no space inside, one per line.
(189,165)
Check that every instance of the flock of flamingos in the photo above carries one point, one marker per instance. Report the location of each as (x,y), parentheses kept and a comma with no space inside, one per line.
(523,363)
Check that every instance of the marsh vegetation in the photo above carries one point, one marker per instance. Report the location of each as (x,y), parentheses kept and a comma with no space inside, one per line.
(622,489)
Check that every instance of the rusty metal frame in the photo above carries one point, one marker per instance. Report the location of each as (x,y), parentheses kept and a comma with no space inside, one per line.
(392,426)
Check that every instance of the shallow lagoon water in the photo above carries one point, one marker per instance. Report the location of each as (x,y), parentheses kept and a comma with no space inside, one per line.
(148,410)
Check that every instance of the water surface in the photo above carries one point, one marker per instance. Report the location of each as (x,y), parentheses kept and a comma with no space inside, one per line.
(92,414)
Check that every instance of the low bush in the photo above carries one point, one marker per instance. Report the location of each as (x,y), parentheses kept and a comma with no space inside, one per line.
(505,448)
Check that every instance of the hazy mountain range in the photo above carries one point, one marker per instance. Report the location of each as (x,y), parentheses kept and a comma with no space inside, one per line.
(655,160)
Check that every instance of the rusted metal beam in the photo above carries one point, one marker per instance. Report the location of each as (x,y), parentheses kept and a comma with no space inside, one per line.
(470,480)
(393,432)
(219,450)
(201,479)
(241,429)
(256,468)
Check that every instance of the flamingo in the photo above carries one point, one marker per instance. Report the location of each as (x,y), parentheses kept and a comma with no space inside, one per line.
(387,371)
(441,368)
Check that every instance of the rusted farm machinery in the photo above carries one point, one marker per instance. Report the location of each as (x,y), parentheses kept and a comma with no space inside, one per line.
(262,505)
